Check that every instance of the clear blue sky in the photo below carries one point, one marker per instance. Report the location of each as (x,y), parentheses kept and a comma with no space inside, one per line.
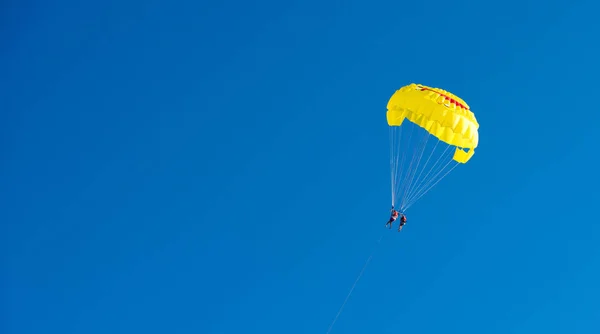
(222,167)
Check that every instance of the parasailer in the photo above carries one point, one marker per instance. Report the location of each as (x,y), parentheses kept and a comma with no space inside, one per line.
(393,217)
(402,222)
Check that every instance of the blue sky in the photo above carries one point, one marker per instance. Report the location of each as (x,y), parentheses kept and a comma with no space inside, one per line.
(222,167)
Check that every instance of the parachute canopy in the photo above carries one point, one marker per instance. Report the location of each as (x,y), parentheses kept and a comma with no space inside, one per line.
(415,114)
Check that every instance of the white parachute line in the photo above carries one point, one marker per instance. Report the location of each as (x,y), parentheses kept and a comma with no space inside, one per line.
(432,171)
(400,166)
(402,152)
(414,171)
(392,176)
(437,172)
(354,285)
(393,160)
(409,172)
(419,180)
(433,185)
(399,141)
(395,134)
(425,179)
(426,187)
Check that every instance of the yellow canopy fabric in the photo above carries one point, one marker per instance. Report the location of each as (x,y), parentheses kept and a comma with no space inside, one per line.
(441,113)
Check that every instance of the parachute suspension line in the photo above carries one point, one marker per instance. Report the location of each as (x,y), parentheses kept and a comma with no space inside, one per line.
(399,143)
(419,180)
(408,167)
(394,160)
(406,155)
(395,142)
(399,168)
(413,171)
(406,178)
(354,285)
(453,163)
(424,181)
(417,163)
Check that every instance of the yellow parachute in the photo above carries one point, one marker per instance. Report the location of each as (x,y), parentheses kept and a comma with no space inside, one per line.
(428,112)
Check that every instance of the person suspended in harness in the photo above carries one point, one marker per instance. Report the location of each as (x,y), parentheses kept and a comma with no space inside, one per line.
(402,222)
(393,217)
